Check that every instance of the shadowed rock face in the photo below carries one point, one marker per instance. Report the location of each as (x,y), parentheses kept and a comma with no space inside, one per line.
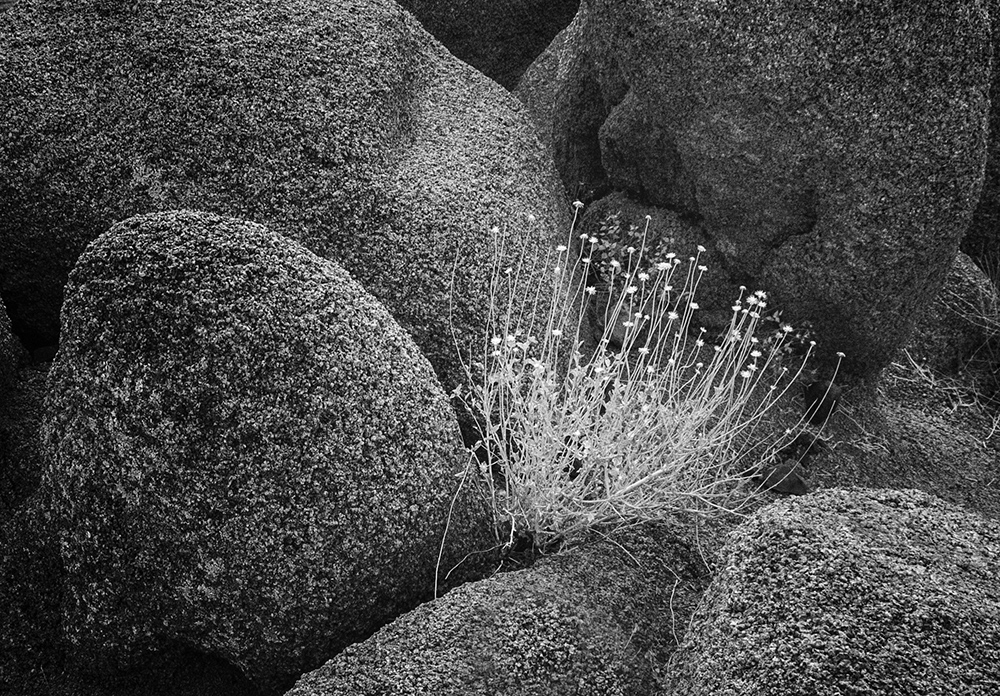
(245,454)
(344,126)
(500,39)
(981,240)
(858,590)
(833,155)
(596,621)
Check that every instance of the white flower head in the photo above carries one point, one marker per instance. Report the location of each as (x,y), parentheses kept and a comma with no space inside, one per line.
(694,305)
(557,332)
(531,218)
(577,204)
(644,276)
(615,263)
(561,248)
(673,316)
(701,249)
(591,290)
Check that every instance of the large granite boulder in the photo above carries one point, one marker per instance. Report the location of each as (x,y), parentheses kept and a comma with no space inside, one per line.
(500,39)
(601,619)
(246,455)
(850,591)
(833,155)
(343,125)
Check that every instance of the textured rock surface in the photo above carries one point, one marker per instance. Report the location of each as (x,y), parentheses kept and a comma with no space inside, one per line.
(20,450)
(343,125)
(246,455)
(30,594)
(982,239)
(563,94)
(851,591)
(500,39)
(12,354)
(960,321)
(832,154)
(596,620)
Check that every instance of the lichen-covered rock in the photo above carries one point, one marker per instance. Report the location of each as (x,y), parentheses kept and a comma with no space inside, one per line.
(850,591)
(600,620)
(246,454)
(500,39)
(343,125)
(833,155)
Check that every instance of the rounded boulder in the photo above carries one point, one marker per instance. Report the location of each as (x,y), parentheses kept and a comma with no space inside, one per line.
(246,455)
(850,591)
(834,155)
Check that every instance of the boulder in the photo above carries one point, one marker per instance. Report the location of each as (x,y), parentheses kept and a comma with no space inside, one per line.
(850,591)
(344,126)
(600,619)
(246,455)
(500,39)
(834,156)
